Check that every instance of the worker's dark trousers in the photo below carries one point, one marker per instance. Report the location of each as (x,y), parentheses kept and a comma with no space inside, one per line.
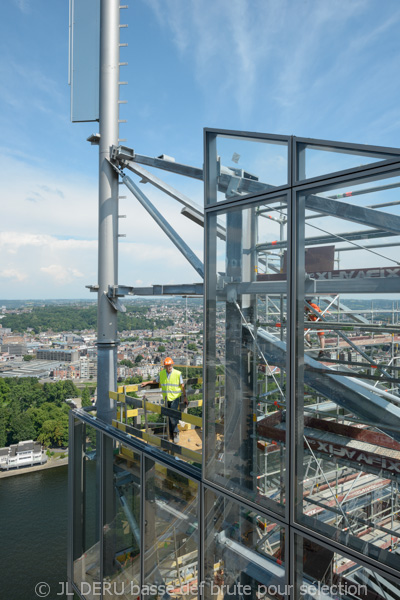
(172,422)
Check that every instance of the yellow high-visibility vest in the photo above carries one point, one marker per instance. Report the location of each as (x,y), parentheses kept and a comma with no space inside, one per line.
(171,388)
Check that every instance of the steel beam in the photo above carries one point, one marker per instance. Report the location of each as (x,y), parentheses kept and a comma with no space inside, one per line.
(348,248)
(336,302)
(352,396)
(331,239)
(184,289)
(315,287)
(230,181)
(369,190)
(164,225)
(125,156)
(198,217)
(164,187)
(351,212)
(340,333)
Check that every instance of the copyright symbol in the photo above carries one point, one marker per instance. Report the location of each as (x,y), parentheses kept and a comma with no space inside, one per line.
(42,589)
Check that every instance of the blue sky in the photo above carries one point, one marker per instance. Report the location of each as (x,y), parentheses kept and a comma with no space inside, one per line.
(316,68)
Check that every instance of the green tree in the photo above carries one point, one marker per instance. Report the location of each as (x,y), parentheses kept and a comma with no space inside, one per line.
(161,348)
(4,392)
(21,428)
(133,380)
(86,401)
(70,390)
(4,420)
(192,346)
(54,432)
(127,363)
(28,357)
(139,358)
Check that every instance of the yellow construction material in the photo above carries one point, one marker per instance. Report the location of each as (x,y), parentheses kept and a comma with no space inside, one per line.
(157,408)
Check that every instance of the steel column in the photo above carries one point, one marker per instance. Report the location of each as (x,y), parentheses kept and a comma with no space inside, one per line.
(108,208)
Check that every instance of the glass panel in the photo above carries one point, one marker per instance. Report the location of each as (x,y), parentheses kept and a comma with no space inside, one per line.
(249,165)
(246,351)
(171,534)
(244,552)
(323,573)
(348,395)
(121,531)
(315,160)
(86,544)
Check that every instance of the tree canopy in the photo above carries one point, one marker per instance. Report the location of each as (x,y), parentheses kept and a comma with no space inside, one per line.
(78,318)
(126,363)
(32,411)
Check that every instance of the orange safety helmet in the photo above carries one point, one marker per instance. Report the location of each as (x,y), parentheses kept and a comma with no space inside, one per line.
(168,361)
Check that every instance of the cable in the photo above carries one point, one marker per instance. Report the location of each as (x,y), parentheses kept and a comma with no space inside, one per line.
(354,244)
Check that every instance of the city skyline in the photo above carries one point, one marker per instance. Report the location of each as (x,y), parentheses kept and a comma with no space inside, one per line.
(309,69)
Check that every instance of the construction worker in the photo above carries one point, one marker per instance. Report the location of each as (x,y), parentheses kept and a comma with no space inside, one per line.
(313,317)
(171,382)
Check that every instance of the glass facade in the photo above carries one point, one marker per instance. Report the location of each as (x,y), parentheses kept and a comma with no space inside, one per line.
(171,531)
(297,495)
(244,388)
(347,394)
(244,550)
(322,572)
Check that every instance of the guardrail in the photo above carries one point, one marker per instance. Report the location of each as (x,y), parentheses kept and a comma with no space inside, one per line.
(128,406)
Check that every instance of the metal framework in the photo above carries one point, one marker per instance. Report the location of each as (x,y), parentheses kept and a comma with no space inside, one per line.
(300,433)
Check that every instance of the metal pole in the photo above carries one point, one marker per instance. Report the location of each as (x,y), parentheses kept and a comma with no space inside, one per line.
(108,208)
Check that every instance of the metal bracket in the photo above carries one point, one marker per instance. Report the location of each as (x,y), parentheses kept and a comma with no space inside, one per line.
(119,153)
(112,297)
(222,281)
(94,139)
(93,288)
(116,304)
(310,278)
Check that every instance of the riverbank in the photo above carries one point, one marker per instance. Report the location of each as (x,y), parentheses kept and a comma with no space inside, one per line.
(51,463)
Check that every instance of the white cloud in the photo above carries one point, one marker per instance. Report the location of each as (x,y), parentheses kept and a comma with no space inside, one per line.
(13,274)
(62,275)
(11,241)
(44,201)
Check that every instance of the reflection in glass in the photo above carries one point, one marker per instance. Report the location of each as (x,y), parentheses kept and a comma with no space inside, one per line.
(86,544)
(315,160)
(250,165)
(348,395)
(121,531)
(244,552)
(323,573)
(171,533)
(246,352)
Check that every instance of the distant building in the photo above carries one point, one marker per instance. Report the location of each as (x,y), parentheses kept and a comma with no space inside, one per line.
(23,454)
(17,349)
(88,368)
(67,372)
(61,355)
(196,361)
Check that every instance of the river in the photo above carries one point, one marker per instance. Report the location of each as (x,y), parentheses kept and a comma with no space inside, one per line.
(33,534)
